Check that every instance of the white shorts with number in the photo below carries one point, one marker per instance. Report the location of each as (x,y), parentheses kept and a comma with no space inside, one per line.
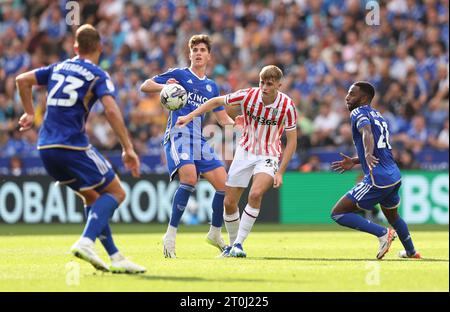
(245,165)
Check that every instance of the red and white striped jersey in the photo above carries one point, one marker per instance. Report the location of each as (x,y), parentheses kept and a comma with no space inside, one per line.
(263,124)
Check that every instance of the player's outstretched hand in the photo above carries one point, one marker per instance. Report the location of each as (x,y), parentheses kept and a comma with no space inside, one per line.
(26,122)
(183,121)
(371,161)
(277,180)
(132,162)
(239,122)
(343,165)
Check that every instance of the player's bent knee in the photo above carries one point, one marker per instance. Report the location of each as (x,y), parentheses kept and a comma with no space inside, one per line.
(188,179)
(230,210)
(255,196)
(90,200)
(120,195)
(188,175)
(333,216)
(336,210)
(229,203)
(220,187)
(88,196)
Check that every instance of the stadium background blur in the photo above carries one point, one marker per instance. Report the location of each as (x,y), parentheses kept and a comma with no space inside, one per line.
(322,46)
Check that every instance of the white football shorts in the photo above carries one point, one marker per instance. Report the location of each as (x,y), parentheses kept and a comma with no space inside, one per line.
(245,165)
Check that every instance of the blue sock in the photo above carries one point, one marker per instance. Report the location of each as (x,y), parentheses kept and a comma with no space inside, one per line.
(101,211)
(355,221)
(217,208)
(107,240)
(403,233)
(179,203)
(105,236)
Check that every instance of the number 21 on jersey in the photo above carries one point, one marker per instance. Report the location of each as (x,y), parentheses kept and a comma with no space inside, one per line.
(383,141)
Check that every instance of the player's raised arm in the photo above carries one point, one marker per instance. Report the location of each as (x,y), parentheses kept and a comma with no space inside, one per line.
(115,119)
(151,86)
(206,107)
(25,83)
(228,116)
(223,118)
(369,145)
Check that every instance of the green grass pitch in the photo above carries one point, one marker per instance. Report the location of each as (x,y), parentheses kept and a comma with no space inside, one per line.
(280,258)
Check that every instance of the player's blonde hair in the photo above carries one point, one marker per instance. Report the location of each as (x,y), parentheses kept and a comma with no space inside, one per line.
(197,39)
(271,72)
(87,39)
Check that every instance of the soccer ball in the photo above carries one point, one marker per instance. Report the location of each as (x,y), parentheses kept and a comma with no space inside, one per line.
(173,96)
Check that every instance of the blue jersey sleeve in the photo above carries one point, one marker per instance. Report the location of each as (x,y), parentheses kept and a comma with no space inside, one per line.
(43,74)
(104,86)
(359,118)
(172,73)
(216,94)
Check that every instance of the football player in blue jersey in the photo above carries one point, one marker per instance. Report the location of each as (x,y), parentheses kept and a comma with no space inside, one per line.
(382,179)
(74,86)
(187,152)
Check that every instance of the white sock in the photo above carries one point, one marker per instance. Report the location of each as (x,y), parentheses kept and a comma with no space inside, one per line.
(248,218)
(232,225)
(86,241)
(171,232)
(116,256)
(215,230)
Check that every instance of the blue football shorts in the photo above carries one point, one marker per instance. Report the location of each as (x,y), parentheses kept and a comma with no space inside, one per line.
(201,155)
(79,170)
(366,196)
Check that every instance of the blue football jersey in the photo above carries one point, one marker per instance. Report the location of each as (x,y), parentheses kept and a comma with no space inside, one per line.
(73,86)
(199,90)
(386,172)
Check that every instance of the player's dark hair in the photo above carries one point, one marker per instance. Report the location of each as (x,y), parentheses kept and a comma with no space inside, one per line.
(197,39)
(366,88)
(87,39)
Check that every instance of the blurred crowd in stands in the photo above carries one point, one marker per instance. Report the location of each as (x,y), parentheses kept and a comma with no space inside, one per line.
(321,45)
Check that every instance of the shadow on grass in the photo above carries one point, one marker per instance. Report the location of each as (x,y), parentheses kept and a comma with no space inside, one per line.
(148,276)
(348,259)
(196,279)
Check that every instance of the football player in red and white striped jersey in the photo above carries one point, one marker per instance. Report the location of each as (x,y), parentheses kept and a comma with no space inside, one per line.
(267,113)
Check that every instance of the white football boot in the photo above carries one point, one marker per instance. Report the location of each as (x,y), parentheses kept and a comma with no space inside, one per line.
(215,239)
(237,251)
(120,264)
(169,247)
(403,254)
(385,243)
(85,251)
(225,253)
